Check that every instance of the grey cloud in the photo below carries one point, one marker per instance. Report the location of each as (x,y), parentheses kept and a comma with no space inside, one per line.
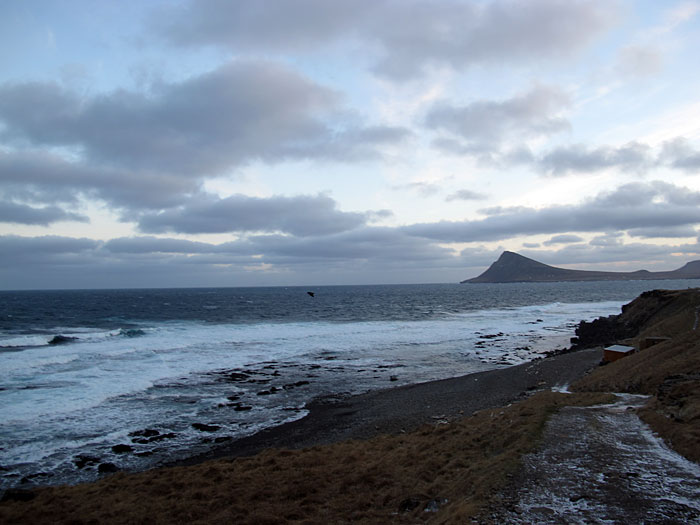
(578,158)
(486,124)
(635,157)
(22,252)
(137,245)
(260,24)
(424,188)
(49,178)
(411,35)
(363,255)
(301,215)
(12,212)
(630,206)
(465,195)
(563,239)
(369,243)
(680,154)
(607,239)
(240,112)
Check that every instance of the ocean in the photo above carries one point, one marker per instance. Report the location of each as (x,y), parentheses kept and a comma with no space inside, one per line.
(142,377)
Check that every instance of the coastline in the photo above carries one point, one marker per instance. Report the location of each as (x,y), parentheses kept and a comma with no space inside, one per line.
(392,456)
(405,408)
(454,447)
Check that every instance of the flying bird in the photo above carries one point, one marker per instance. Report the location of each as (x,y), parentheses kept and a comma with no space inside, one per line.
(311,293)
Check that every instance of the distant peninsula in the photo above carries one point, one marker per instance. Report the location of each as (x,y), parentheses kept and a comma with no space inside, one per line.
(514,268)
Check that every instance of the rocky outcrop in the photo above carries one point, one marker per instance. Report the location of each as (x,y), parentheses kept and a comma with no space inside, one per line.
(634,317)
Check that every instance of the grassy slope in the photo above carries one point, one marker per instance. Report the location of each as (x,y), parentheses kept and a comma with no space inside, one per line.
(669,371)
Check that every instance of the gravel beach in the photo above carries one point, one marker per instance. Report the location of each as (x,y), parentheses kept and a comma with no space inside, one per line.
(406,408)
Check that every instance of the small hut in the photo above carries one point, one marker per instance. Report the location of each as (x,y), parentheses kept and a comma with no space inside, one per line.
(615,352)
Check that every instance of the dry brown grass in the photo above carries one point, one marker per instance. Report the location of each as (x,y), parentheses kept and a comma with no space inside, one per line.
(388,479)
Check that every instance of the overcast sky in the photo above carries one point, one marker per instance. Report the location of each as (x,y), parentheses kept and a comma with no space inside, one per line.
(303,142)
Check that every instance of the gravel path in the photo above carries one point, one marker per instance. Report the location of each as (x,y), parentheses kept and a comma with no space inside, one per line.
(601,465)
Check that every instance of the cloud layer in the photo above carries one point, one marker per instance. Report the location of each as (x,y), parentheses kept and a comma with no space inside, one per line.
(410,36)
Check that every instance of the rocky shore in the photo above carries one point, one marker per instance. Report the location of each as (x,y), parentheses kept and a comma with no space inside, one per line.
(439,451)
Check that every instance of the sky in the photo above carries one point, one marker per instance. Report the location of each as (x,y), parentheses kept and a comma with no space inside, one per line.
(309,142)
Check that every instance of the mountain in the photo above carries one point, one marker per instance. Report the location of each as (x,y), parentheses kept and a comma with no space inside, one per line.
(514,268)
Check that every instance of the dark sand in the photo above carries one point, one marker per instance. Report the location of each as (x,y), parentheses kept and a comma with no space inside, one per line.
(406,408)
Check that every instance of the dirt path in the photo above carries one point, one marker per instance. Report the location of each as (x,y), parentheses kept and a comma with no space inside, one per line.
(602,465)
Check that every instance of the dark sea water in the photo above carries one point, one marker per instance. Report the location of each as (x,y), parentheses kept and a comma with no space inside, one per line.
(140,367)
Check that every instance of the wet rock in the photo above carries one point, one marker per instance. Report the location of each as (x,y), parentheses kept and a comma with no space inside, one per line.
(202,427)
(62,339)
(32,477)
(491,336)
(154,438)
(147,432)
(83,460)
(122,448)
(236,376)
(107,468)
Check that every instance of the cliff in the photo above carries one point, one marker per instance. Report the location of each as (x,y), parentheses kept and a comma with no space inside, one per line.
(514,268)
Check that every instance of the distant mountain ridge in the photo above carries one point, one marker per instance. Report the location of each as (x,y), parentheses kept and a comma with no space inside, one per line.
(514,268)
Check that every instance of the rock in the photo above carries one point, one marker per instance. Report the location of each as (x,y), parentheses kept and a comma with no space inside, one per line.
(154,437)
(147,432)
(237,376)
(107,468)
(61,339)
(83,460)
(122,449)
(205,428)
(32,477)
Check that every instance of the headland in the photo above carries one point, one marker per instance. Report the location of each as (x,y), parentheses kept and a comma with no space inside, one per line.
(515,268)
